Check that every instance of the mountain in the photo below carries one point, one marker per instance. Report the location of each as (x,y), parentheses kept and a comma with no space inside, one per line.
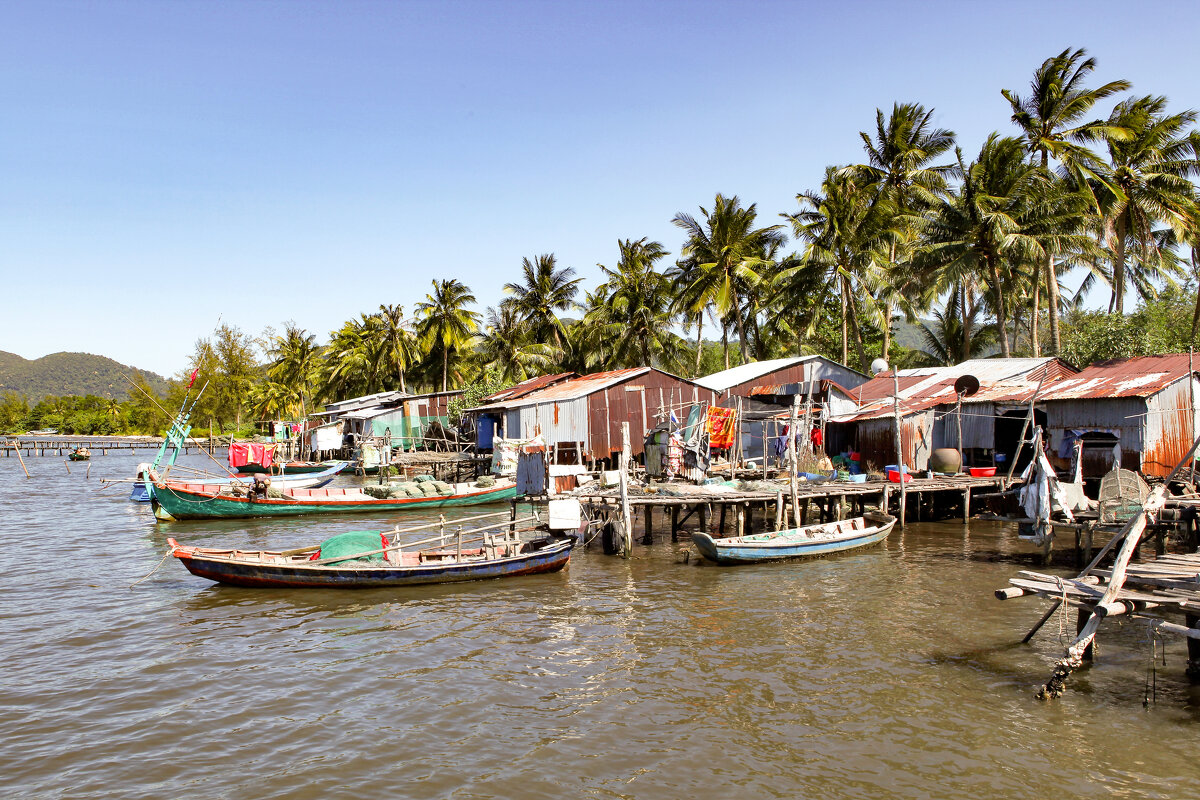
(62,374)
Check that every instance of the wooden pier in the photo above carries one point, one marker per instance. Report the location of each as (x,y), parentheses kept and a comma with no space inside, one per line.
(101,446)
(720,510)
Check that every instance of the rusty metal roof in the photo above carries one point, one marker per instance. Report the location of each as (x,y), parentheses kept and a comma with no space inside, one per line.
(572,389)
(1130,377)
(527,386)
(924,381)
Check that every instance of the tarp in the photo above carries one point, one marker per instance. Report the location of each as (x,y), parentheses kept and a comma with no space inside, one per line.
(327,437)
(243,453)
(721,427)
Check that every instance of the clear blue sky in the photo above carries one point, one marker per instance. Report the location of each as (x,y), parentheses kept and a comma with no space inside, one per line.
(166,164)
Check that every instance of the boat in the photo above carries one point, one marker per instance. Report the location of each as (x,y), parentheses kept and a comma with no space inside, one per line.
(315,480)
(809,540)
(377,559)
(79,454)
(181,499)
(293,468)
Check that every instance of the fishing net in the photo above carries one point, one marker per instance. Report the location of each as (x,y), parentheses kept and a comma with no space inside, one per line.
(349,547)
(1122,495)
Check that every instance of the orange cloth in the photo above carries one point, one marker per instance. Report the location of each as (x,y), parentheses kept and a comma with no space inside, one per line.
(721,427)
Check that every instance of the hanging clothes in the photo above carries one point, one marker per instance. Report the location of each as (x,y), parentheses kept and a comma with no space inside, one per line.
(722,426)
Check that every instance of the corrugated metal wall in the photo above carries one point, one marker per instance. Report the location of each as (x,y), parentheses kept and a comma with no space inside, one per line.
(641,401)
(978,426)
(1169,427)
(877,440)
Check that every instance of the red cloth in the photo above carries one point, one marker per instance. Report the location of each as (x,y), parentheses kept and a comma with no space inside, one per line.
(721,427)
(816,437)
(243,453)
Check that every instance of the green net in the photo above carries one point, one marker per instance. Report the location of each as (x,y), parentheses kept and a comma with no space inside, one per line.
(349,546)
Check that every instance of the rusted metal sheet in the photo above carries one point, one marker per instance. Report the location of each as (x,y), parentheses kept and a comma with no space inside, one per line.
(1170,428)
(528,387)
(876,441)
(1131,377)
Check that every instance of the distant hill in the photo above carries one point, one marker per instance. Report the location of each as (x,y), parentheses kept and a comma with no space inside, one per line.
(62,374)
(910,336)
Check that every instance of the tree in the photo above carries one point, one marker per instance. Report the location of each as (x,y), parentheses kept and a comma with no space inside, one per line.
(544,289)
(899,170)
(1051,120)
(633,308)
(1149,184)
(723,257)
(295,361)
(400,346)
(506,349)
(445,321)
(841,228)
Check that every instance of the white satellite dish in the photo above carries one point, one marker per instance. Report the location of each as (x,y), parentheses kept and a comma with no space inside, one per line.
(878,365)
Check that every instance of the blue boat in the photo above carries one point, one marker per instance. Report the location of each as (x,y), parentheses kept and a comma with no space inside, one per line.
(807,541)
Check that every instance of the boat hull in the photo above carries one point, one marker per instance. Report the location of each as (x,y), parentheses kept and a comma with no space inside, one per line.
(304,468)
(550,558)
(749,551)
(180,503)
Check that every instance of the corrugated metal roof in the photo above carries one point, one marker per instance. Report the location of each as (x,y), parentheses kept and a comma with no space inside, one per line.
(720,381)
(526,386)
(922,381)
(1131,377)
(571,389)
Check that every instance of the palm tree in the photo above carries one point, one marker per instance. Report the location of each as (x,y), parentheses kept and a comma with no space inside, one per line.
(842,228)
(633,307)
(1051,120)
(724,257)
(980,231)
(295,358)
(506,350)
(1148,184)
(899,169)
(544,289)
(400,346)
(955,336)
(445,320)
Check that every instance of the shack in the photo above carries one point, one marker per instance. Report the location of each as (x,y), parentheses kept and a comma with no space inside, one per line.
(580,417)
(930,416)
(779,377)
(1139,413)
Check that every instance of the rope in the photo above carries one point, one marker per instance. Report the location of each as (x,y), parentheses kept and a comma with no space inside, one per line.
(151,572)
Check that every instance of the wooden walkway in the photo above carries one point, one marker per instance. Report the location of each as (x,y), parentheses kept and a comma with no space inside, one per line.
(718,511)
(97,446)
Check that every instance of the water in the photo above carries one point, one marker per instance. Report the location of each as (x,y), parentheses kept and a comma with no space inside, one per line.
(885,673)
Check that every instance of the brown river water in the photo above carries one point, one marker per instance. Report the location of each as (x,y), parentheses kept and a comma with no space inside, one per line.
(886,673)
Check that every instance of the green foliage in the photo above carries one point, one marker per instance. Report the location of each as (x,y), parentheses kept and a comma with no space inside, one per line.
(63,374)
(473,393)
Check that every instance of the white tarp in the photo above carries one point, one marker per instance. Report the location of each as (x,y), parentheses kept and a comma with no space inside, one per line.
(327,437)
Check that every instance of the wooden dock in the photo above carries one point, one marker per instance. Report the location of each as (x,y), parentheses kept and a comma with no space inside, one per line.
(720,510)
(101,446)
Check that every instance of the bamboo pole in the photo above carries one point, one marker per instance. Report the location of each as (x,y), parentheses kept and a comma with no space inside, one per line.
(1024,429)
(626,517)
(899,445)
(17,447)
(793,478)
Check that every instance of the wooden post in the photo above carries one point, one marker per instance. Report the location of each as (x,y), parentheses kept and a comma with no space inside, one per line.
(740,513)
(962,464)
(18,449)
(648,511)
(899,444)
(674,523)
(792,461)
(626,517)
(779,510)
(966,505)
(1024,429)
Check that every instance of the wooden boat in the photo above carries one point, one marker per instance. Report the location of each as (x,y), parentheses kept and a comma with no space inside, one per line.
(293,468)
(184,500)
(79,454)
(394,564)
(141,493)
(809,540)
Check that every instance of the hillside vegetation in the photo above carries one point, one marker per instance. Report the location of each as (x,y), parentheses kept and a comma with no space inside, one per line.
(63,374)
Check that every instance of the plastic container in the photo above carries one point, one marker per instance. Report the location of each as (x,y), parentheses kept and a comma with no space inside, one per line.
(983,472)
(856,478)
(894,476)
(893,467)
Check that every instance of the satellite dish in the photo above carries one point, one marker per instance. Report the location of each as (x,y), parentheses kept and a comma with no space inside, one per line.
(966,385)
(878,365)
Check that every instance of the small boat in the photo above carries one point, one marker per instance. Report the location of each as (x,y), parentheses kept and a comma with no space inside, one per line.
(378,560)
(79,454)
(316,480)
(180,499)
(809,540)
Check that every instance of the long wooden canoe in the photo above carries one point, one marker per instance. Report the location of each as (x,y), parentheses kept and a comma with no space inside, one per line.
(809,540)
(181,500)
(447,564)
(313,480)
(293,468)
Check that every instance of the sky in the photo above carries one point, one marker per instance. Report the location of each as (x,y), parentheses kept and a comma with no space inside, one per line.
(166,166)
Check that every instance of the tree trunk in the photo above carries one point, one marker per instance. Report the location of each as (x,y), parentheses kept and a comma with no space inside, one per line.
(1052,300)
(725,341)
(858,340)
(445,365)
(887,327)
(1001,320)
(699,343)
(1118,302)
(1035,313)
(741,327)
(964,310)
(845,326)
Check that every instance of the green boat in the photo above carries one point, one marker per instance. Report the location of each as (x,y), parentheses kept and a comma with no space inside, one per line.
(174,499)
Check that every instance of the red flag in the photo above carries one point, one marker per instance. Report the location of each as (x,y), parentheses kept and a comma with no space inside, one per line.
(193,380)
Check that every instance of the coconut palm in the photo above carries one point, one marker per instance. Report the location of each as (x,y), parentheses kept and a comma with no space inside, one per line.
(955,336)
(1148,185)
(543,290)
(295,358)
(633,307)
(445,320)
(981,231)
(723,258)
(1052,120)
(506,349)
(400,347)
(901,172)
(844,235)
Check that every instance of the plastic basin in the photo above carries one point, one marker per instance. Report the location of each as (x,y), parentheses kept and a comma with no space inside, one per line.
(894,476)
(983,472)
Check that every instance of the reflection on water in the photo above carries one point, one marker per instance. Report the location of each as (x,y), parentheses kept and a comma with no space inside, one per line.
(883,673)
